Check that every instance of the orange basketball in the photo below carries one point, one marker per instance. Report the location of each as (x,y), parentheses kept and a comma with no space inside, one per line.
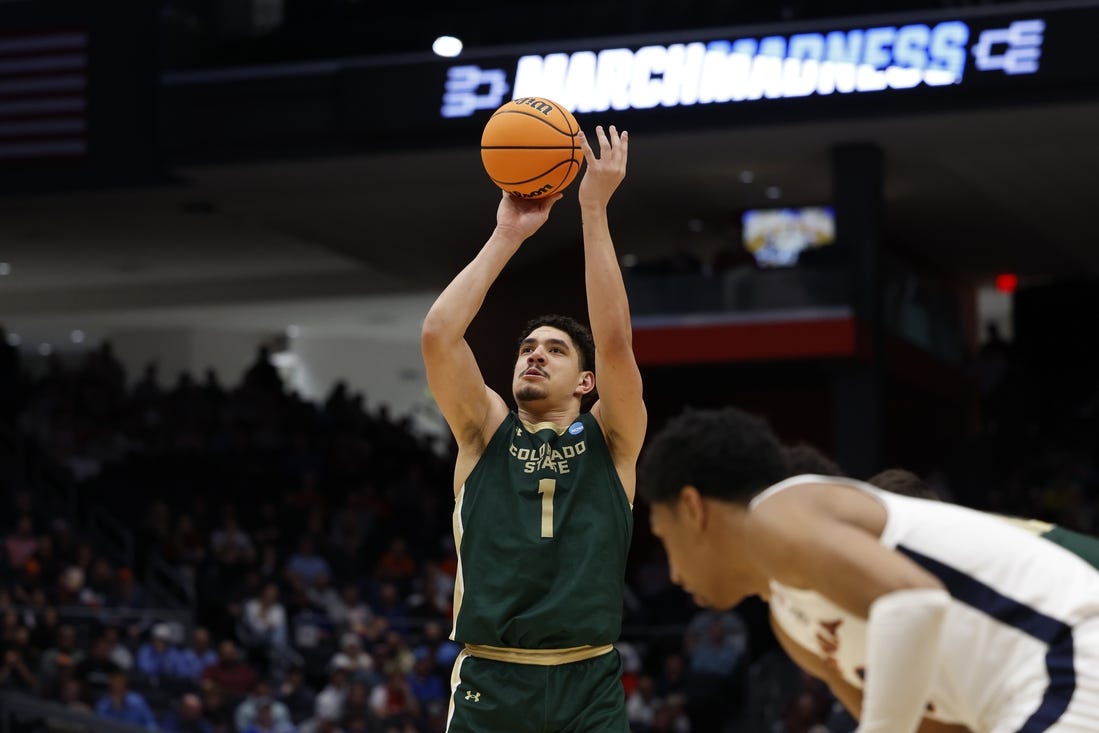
(530,147)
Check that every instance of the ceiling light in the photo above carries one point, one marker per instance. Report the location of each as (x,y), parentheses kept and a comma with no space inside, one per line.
(774,192)
(447,46)
(77,336)
(14,339)
(5,269)
(45,349)
(747,176)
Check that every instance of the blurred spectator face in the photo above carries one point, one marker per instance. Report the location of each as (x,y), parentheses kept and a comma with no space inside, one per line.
(213,698)
(101,573)
(49,614)
(190,707)
(338,678)
(389,594)
(264,716)
(71,691)
(71,581)
(673,666)
(118,684)
(101,647)
(357,694)
(227,652)
(270,594)
(352,647)
(21,638)
(25,527)
(66,638)
(201,640)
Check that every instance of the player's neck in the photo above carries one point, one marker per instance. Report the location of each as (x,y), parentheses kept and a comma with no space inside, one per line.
(750,579)
(560,417)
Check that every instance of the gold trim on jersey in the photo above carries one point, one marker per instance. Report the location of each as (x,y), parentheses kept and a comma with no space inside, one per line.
(459,578)
(1034,526)
(535,427)
(543,657)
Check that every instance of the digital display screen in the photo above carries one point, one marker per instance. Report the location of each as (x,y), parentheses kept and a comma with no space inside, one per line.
(947,56)
(778,237)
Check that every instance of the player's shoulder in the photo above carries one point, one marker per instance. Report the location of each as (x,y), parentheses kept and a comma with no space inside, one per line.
(801,507)
(816,494)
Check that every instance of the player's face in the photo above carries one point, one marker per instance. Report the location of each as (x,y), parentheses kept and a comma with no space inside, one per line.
(695,562)
(547,366)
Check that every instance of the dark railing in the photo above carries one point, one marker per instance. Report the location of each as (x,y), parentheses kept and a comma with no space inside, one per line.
(57,495)
(20,713)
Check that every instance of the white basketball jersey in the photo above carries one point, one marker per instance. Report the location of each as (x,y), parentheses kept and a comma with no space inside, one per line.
(1017,602)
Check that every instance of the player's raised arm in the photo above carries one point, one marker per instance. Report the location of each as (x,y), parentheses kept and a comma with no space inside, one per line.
(620,409)
(468,405)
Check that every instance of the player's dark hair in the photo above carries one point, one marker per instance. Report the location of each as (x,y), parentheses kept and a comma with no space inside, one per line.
(725,453)
(581,338)
(904,482)
(807,458)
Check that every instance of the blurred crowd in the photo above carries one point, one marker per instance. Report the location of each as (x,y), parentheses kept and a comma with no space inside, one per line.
(317,541)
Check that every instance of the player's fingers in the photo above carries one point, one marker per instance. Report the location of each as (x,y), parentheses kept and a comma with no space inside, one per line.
(585,146)
(604,143)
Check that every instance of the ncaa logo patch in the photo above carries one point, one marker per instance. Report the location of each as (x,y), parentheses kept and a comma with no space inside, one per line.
(576,428)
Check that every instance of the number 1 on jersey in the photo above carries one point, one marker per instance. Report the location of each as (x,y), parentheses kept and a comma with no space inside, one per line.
(546,487)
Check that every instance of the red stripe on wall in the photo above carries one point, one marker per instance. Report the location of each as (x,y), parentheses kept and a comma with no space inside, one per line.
(745,341)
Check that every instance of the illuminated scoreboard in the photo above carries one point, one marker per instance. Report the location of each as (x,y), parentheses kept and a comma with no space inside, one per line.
(954,56)
(854,68)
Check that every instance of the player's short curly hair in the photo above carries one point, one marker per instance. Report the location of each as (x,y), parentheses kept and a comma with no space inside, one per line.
(725,453)
(805,457)
(904,482)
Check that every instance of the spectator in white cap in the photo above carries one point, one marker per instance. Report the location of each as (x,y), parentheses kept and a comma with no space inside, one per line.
(326,719)
(247,712)
(155,656)
(352,657)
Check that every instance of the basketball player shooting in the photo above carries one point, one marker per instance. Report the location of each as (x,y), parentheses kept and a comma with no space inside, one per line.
(917,610)
(543,494)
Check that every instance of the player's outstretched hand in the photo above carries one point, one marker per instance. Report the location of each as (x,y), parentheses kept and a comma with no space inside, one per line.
(605,172)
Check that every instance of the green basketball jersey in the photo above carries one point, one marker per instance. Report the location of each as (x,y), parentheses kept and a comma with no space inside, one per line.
(543,529)
(1083,546)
